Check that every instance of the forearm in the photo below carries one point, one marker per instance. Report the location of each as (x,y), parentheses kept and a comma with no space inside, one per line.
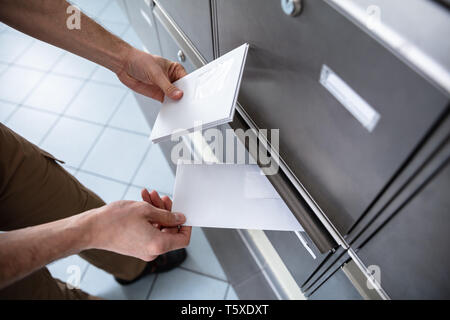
(47,20)
(26,250)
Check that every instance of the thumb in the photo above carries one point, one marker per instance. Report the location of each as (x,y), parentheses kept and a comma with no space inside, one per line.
(166,218)
(168,88)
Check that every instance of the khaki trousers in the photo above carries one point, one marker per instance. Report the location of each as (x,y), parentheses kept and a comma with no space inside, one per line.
(35,189)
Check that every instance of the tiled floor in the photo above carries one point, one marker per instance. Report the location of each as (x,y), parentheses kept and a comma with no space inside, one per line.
(82,114)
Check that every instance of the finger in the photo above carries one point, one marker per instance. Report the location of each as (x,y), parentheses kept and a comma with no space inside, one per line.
(149,90)
(167,203)
(146,196)
(156,200)
(164,217)
(187,231)
(162,81)
(176,71)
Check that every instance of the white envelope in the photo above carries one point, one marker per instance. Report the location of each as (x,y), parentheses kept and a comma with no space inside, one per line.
(209,99)
(230,196)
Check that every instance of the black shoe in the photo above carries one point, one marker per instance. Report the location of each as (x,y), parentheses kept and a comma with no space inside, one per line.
(163,263)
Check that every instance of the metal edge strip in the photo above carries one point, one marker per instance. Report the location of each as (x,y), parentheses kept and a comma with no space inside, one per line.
(377,286)
(272,267)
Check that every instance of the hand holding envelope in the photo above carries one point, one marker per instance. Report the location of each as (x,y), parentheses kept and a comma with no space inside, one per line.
(210,95)
(218,195)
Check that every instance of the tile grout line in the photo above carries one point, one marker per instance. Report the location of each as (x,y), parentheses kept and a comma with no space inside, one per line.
(105,177)
(62,114)
(69,104)
(112,179)
(66,75)
(48,73)
(20,104)
(151,287)
(138,133)
(85,270)
(202,274)
(137,170)
(58,119)
(226,291)
(44,74)
(105,126)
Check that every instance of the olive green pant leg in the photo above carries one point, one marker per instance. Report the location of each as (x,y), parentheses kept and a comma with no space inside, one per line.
(35,189)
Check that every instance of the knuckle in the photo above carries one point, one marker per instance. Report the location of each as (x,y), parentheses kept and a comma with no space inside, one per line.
(176,66)
(170,88)
(144,206)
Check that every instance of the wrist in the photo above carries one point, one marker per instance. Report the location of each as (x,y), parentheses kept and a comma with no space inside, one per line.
(83,227)
(123,56)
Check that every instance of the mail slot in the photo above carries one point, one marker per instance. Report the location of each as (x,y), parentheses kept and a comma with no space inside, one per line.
(298,253)
(170,50)
(194,18)
(337,287)
(344,162)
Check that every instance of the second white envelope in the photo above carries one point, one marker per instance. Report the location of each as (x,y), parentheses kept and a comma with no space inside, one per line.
(230,196)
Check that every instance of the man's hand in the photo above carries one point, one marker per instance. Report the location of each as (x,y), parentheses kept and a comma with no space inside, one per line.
(142,229)
(162,203)
(151,75)
(128,227)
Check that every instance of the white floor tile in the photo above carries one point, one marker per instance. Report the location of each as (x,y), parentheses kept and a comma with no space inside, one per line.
(116,28)
(133,193)
(106,189)
(114,13)
(75,66)
(155,173)
(54,93)
(12,45)
(185,285)
(6,109)
(64,268)
(117,154)
(129,116)
(101,284)
(96,102)
(71,170)
(231,294)
(17,32)
(70,140)
(89,7)
(40,56)
(3,67)
(201,257)
(107,76)
(17,83)
(31,124)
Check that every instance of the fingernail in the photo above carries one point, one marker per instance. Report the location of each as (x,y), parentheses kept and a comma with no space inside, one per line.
(179,217)
(177,93)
